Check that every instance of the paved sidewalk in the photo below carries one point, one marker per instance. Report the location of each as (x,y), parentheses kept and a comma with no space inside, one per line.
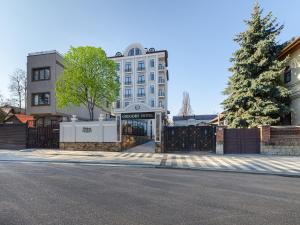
(235,163)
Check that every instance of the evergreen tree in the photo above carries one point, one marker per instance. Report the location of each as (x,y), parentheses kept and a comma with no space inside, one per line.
(256,93)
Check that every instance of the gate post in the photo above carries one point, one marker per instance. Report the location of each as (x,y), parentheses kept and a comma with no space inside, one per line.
(220,140)
(158,126)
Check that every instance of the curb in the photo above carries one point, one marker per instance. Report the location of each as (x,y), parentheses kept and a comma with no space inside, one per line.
(142,165)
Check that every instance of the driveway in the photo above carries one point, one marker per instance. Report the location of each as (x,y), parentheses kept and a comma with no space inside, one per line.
(69,194)
(148,147)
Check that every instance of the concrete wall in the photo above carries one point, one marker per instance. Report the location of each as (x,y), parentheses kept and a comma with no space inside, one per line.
(88,131)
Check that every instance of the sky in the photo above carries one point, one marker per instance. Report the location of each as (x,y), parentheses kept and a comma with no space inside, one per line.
(198,35)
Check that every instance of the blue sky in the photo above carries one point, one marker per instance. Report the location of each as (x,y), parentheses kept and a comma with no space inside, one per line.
(197,34)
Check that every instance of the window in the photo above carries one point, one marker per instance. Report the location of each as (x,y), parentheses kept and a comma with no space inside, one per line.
(287,74)
(152,103)
(141,66)
(118,66)
(41,99)
(126,104)
(161,80)
(118,104)
(152,63)
(127,80)
(160,104)
(131,52)
(141,79)
(128,67)
(161,92)
(127,92)
(138,51)
(41,74)
(152,89)
(152,76)
(141,92)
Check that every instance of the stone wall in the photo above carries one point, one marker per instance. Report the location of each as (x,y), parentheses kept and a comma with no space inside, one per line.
(91,146)
(281,140)
(129,141)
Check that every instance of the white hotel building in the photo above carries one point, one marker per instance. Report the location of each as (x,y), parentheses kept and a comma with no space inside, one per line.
(143,76)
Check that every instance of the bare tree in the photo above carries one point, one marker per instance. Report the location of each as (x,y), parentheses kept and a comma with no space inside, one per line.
(18,87)
(186,108)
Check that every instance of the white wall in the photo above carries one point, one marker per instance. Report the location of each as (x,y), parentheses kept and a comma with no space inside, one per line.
(88,131)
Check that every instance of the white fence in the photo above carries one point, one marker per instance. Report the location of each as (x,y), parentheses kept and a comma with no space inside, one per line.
(88,131)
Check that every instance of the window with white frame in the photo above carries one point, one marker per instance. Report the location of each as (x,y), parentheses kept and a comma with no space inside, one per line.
(127,93)
(152,63)
(152,89)
(141,92)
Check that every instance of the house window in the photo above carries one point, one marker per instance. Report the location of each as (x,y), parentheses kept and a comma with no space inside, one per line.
(41,99)
(152,76)
(128,67)
(118,104)
(141,92)
(287,74)
(138,51)
(141,79)
(152,63)
(141,66)
(161,92)
(152,103)
(126,104)
(118,66)
(127,92)
(160,104)
(127,80)
(131,52)
(41,74)
(152,89)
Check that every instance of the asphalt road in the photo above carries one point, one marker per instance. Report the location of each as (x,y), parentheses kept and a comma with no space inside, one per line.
(45,193)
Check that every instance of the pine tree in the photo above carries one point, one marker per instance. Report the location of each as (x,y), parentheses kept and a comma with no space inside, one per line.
(256,93)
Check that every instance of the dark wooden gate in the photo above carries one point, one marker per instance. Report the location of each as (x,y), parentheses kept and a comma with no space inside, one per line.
(242,141)
(192,138)
(43,137)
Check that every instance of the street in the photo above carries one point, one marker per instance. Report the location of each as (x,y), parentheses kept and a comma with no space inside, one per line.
(70,193)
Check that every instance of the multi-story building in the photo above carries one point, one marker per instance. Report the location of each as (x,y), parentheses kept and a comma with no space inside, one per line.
(291,78)
(143,75)
(43,70)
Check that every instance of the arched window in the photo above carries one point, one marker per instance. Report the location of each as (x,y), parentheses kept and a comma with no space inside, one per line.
(131,52)
(138,51)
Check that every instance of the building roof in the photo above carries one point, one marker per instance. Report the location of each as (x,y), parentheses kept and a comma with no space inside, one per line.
(196,117)
(290,48)
(22,118)
(9,109)
(217,118)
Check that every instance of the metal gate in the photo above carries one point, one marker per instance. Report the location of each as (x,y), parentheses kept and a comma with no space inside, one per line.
(242,141)
(43,137)
(192,138)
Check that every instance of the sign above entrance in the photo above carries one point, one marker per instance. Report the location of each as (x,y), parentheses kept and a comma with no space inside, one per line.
(135,116)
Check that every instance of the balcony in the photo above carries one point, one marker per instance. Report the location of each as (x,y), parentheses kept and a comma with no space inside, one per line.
(161,94)
(127,96)
(127,83)
(140,69)
(141,95)
(161,80)
(128,70)
(161,66)
(141,81)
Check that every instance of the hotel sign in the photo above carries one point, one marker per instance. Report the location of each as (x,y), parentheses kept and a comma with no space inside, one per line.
(136,116)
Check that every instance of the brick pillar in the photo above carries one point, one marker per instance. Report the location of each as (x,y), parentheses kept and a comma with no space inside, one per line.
(265,134)
(220,140)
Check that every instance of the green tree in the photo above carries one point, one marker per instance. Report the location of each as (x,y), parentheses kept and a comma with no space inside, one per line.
(89,79)
(255,93)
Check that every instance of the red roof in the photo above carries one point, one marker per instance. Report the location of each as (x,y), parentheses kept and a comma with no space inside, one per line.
(23,118)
